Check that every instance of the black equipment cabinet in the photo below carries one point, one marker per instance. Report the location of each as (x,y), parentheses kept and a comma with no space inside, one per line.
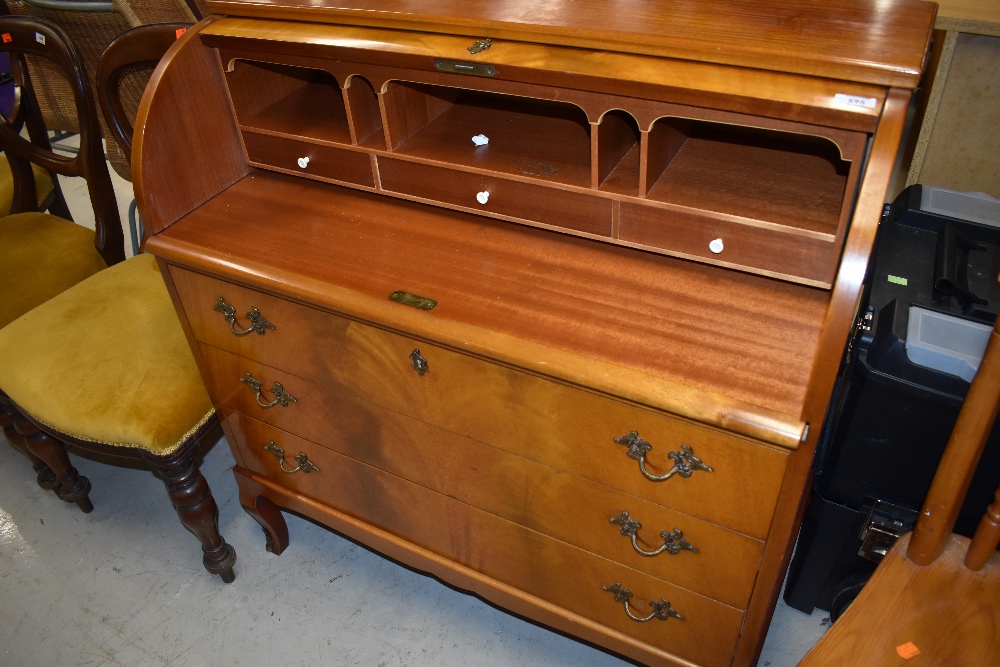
(938,251)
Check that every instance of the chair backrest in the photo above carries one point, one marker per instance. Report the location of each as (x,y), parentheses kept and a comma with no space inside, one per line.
(91,26)
(25,113)
(20,36)
(958,464)
(135,51)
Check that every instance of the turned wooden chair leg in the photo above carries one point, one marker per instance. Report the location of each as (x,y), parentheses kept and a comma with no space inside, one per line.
(72,487)
(44,476)
(41,448)
(192,499)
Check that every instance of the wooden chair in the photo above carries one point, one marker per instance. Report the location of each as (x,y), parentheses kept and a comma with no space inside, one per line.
(106,368)
(129,61)
(92,26)
(24,113)
(43,254)
(935,592)
(135,52)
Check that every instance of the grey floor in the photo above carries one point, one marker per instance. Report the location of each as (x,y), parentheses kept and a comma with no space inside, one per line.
(124,585)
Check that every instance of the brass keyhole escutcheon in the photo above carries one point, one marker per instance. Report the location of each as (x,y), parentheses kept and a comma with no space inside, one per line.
(417,362)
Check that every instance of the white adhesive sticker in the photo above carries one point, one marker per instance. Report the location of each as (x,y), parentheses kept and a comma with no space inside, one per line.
(40,38)
(480,140)
(855,101)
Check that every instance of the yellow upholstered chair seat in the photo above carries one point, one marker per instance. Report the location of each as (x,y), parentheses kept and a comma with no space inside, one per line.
(67,256)
(107,361)
(43,185)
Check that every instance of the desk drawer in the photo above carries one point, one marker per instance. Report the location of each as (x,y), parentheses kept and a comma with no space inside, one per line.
(545,422)
(514,199)
(526,559)
(738,244)
(566,428)
(327,162)
(539,497)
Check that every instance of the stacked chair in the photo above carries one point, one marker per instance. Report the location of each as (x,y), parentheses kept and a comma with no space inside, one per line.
(91,26)
(104,365)
(25,113)
(935,597)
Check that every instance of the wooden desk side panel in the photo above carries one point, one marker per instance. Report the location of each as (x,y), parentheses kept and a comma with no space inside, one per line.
(833,338)
(186,147)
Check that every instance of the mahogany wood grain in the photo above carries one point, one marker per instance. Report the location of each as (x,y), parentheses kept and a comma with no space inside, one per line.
(508,199)
(842,310)
(289,100)
(624,179)
(774,252)
(325,162)
(536,496)
(847,39)
(264,500)
(948,611)
(777,175)
(703,85)
(408,109)
(386,65)
(744,338)
(576,340)
(536,564)
(660,145)
(838,321)
(563,428)
(184,114)
(781,179)
(364,113)
(542,139)
(616,135)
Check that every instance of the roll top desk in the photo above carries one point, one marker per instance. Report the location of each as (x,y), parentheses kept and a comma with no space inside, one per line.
(539,299)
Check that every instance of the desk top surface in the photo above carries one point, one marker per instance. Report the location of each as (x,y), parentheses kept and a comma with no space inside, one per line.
(859,40)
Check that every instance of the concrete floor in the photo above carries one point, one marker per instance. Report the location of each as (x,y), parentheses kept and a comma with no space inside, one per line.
(124,585)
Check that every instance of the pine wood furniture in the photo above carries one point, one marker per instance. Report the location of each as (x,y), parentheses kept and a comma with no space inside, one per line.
(523,366)
(934,598)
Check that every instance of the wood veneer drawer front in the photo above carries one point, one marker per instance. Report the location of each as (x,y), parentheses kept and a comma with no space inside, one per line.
(318,160)
(769,250)
(458,392)
(542,566)
(498,196)
(582,433)
(566,428)
(696,555)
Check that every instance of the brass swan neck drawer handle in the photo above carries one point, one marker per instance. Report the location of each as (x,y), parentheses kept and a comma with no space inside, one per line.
(281,396)
(257,321)
(673,541)
(662,610)
(305,465)
(685,462)
(417,362)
